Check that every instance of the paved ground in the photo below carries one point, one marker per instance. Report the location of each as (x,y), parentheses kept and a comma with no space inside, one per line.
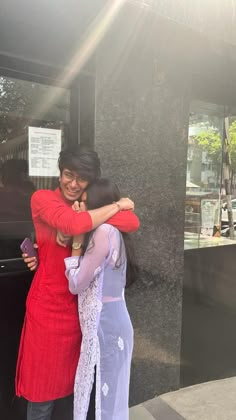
(214,400)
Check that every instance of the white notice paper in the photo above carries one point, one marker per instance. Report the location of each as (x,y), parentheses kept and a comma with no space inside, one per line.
(209,215)
(44,149)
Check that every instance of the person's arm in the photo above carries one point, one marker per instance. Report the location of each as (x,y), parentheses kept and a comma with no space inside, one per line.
(49,208)
(102,212)
(125,221)
(80,271)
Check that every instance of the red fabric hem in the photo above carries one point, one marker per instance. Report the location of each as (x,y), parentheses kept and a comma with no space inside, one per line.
(48,398)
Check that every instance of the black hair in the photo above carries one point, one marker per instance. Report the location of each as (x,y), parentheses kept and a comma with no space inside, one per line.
(81,160)
(101,193)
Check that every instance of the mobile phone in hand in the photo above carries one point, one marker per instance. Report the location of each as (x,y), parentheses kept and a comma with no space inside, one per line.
(27,247)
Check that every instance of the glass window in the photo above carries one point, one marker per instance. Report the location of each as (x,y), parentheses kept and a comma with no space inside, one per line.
(206,213)
(24,104)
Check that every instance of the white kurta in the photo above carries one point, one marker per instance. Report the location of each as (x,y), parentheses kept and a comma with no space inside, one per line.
(99,278)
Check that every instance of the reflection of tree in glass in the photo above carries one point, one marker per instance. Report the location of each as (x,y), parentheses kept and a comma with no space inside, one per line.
(210,141)
(12,105)
(232,151)
(19,101)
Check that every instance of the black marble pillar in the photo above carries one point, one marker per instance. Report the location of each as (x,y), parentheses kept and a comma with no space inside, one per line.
(141,137)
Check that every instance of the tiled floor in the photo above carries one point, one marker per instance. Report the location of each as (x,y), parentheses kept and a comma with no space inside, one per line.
(155,409)
(207,401)
(140,413)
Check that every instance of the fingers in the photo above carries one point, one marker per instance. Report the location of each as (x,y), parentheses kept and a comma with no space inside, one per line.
(79,206)
(82,206)
(59,242)
(76,206)
(126,204)
(130,203)
(62,239)
(28,259)
(32,266)
(31,262)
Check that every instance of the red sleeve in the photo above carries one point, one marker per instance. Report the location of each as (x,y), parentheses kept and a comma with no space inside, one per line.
(125,221)
(50,209)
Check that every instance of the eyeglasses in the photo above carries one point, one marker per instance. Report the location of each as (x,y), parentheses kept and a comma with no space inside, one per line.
(71,177)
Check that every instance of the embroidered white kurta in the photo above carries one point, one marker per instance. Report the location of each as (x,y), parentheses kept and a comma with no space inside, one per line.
(99,278)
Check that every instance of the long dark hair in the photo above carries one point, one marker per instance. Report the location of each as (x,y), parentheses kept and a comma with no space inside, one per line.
(101,193)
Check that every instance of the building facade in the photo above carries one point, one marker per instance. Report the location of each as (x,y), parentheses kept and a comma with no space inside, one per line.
(120,77)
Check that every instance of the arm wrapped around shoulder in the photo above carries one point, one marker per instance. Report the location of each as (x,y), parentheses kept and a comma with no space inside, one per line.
(125,221)
(51,209)
(90,265)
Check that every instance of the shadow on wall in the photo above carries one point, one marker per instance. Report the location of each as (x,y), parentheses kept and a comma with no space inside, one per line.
(155,365)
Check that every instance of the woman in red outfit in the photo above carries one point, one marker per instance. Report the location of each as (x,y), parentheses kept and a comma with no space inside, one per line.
(51,335)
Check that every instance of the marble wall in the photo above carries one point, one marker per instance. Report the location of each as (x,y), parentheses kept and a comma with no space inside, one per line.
(141,136)
(148,70)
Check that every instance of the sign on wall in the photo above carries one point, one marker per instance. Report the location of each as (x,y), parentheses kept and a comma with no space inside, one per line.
(44,149)
(210,216)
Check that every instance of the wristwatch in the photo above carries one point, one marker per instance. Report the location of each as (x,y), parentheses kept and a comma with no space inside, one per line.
(77,245)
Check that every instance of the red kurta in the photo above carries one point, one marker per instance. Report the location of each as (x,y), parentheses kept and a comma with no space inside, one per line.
(51,335)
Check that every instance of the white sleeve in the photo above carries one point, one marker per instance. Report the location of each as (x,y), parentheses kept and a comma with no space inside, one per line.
(80,271)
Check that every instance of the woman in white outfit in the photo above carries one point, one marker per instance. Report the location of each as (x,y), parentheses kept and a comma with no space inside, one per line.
(97,273)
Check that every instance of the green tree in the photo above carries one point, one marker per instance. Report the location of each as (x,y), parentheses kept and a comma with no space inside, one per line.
(210,142)
(232,150)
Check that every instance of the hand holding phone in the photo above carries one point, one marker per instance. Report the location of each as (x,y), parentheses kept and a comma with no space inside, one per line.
(27,247)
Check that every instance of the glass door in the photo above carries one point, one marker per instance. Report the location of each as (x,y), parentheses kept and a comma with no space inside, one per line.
(34,126)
